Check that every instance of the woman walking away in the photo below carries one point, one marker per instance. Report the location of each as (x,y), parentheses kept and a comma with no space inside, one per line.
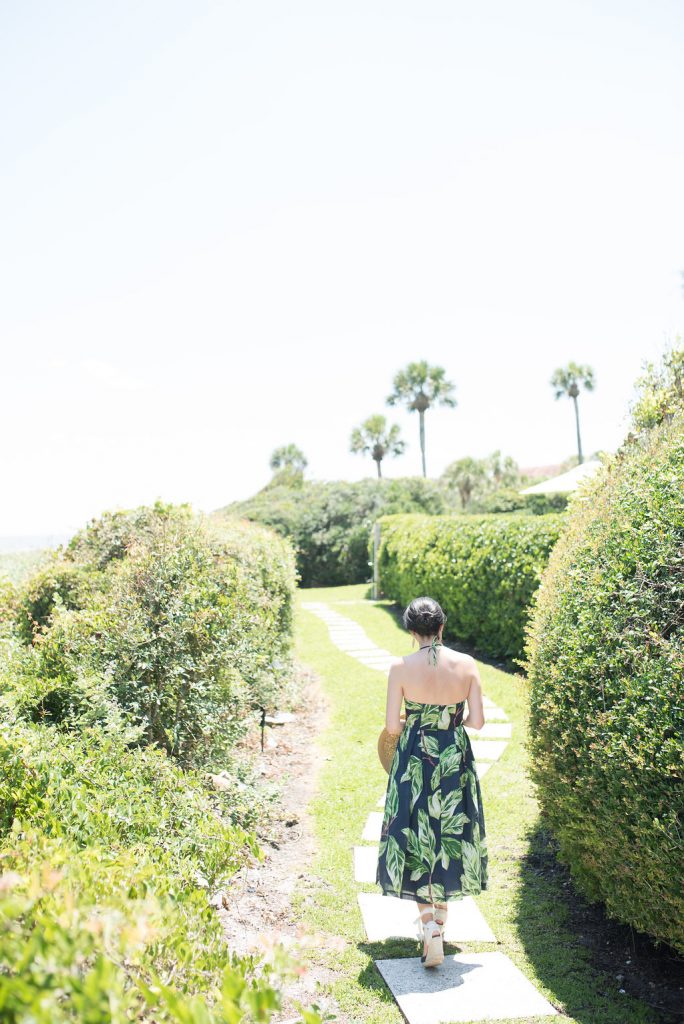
(432,846)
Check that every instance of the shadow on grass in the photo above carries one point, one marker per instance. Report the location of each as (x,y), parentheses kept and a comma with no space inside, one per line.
(583,957)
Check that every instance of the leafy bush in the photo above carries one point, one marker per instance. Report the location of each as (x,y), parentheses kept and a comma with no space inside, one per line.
(93,788)
(109,858)
(606,669)
(483,570)
(659,390)
(56,583)
(329,523)
(513,501)
(153,632)
(110,536)
(187,634)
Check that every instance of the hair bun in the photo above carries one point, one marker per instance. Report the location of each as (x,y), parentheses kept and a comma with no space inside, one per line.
(424,615)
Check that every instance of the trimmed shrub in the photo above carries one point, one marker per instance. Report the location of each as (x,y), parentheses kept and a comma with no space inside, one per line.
(329,523)
(483,570)
(606,668)
(513,501)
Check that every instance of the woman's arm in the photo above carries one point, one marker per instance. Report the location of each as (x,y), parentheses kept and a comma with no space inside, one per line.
(393,722)
(475,719)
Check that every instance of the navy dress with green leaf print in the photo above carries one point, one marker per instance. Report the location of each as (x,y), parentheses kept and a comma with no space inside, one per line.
(433,846)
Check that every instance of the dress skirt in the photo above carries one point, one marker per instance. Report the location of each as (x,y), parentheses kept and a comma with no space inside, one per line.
(433,846)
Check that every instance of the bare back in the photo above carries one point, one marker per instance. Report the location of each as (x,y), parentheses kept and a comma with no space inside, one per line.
(446,683)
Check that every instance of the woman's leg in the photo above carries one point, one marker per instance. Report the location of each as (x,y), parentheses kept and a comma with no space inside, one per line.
(426,913)
(441,911)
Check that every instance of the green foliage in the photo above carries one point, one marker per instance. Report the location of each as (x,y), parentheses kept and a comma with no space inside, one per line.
(183,630)
(606,670)
(468,481)
(108,861)
(93,788)
(483,570)
(659,391)
(58,582)
(110,536)
(153,633)
(329,523)
(289,456)
(507,500)
(567,380)
(376,438)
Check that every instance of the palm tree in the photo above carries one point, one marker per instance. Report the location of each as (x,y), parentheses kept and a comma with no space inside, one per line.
(420,387)
(288,457)
(375,438)
(465,476)
(567,381)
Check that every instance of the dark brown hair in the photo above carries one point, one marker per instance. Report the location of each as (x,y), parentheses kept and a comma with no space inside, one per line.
(424,616)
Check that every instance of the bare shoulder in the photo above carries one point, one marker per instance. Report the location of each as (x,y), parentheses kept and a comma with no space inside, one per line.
(465,661)
(395,665)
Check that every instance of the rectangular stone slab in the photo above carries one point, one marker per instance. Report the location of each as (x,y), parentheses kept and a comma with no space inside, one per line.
(365,863)
(488,750)
(494,714)
(373,827)
(481,768)
(465,987)
(387,917)
(492,731)
(355,644)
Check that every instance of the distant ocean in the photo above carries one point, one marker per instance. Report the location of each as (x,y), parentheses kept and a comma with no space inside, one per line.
(32,541)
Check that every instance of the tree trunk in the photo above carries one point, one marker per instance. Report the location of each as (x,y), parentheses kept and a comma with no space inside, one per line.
(579,440)
(421,413)
(377,463)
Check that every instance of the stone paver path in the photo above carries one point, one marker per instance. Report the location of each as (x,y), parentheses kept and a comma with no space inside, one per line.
(467,986)
(386,917)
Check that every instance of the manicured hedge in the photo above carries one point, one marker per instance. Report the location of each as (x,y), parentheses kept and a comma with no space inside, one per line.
(329,522)
(606,671)
(483,570)
(507,500)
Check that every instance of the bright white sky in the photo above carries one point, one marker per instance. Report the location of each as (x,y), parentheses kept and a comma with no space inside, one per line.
(226,226)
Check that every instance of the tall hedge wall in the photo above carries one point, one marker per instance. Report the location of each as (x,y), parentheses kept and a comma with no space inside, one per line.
(483,570)
(606,670)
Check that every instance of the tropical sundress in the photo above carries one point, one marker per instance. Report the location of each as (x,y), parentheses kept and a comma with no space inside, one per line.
(433,846)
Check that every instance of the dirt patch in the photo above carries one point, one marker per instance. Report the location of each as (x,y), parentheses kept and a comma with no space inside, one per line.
(256,911)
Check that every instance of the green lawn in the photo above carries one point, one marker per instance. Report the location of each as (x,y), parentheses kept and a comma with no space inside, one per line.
(525,910)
